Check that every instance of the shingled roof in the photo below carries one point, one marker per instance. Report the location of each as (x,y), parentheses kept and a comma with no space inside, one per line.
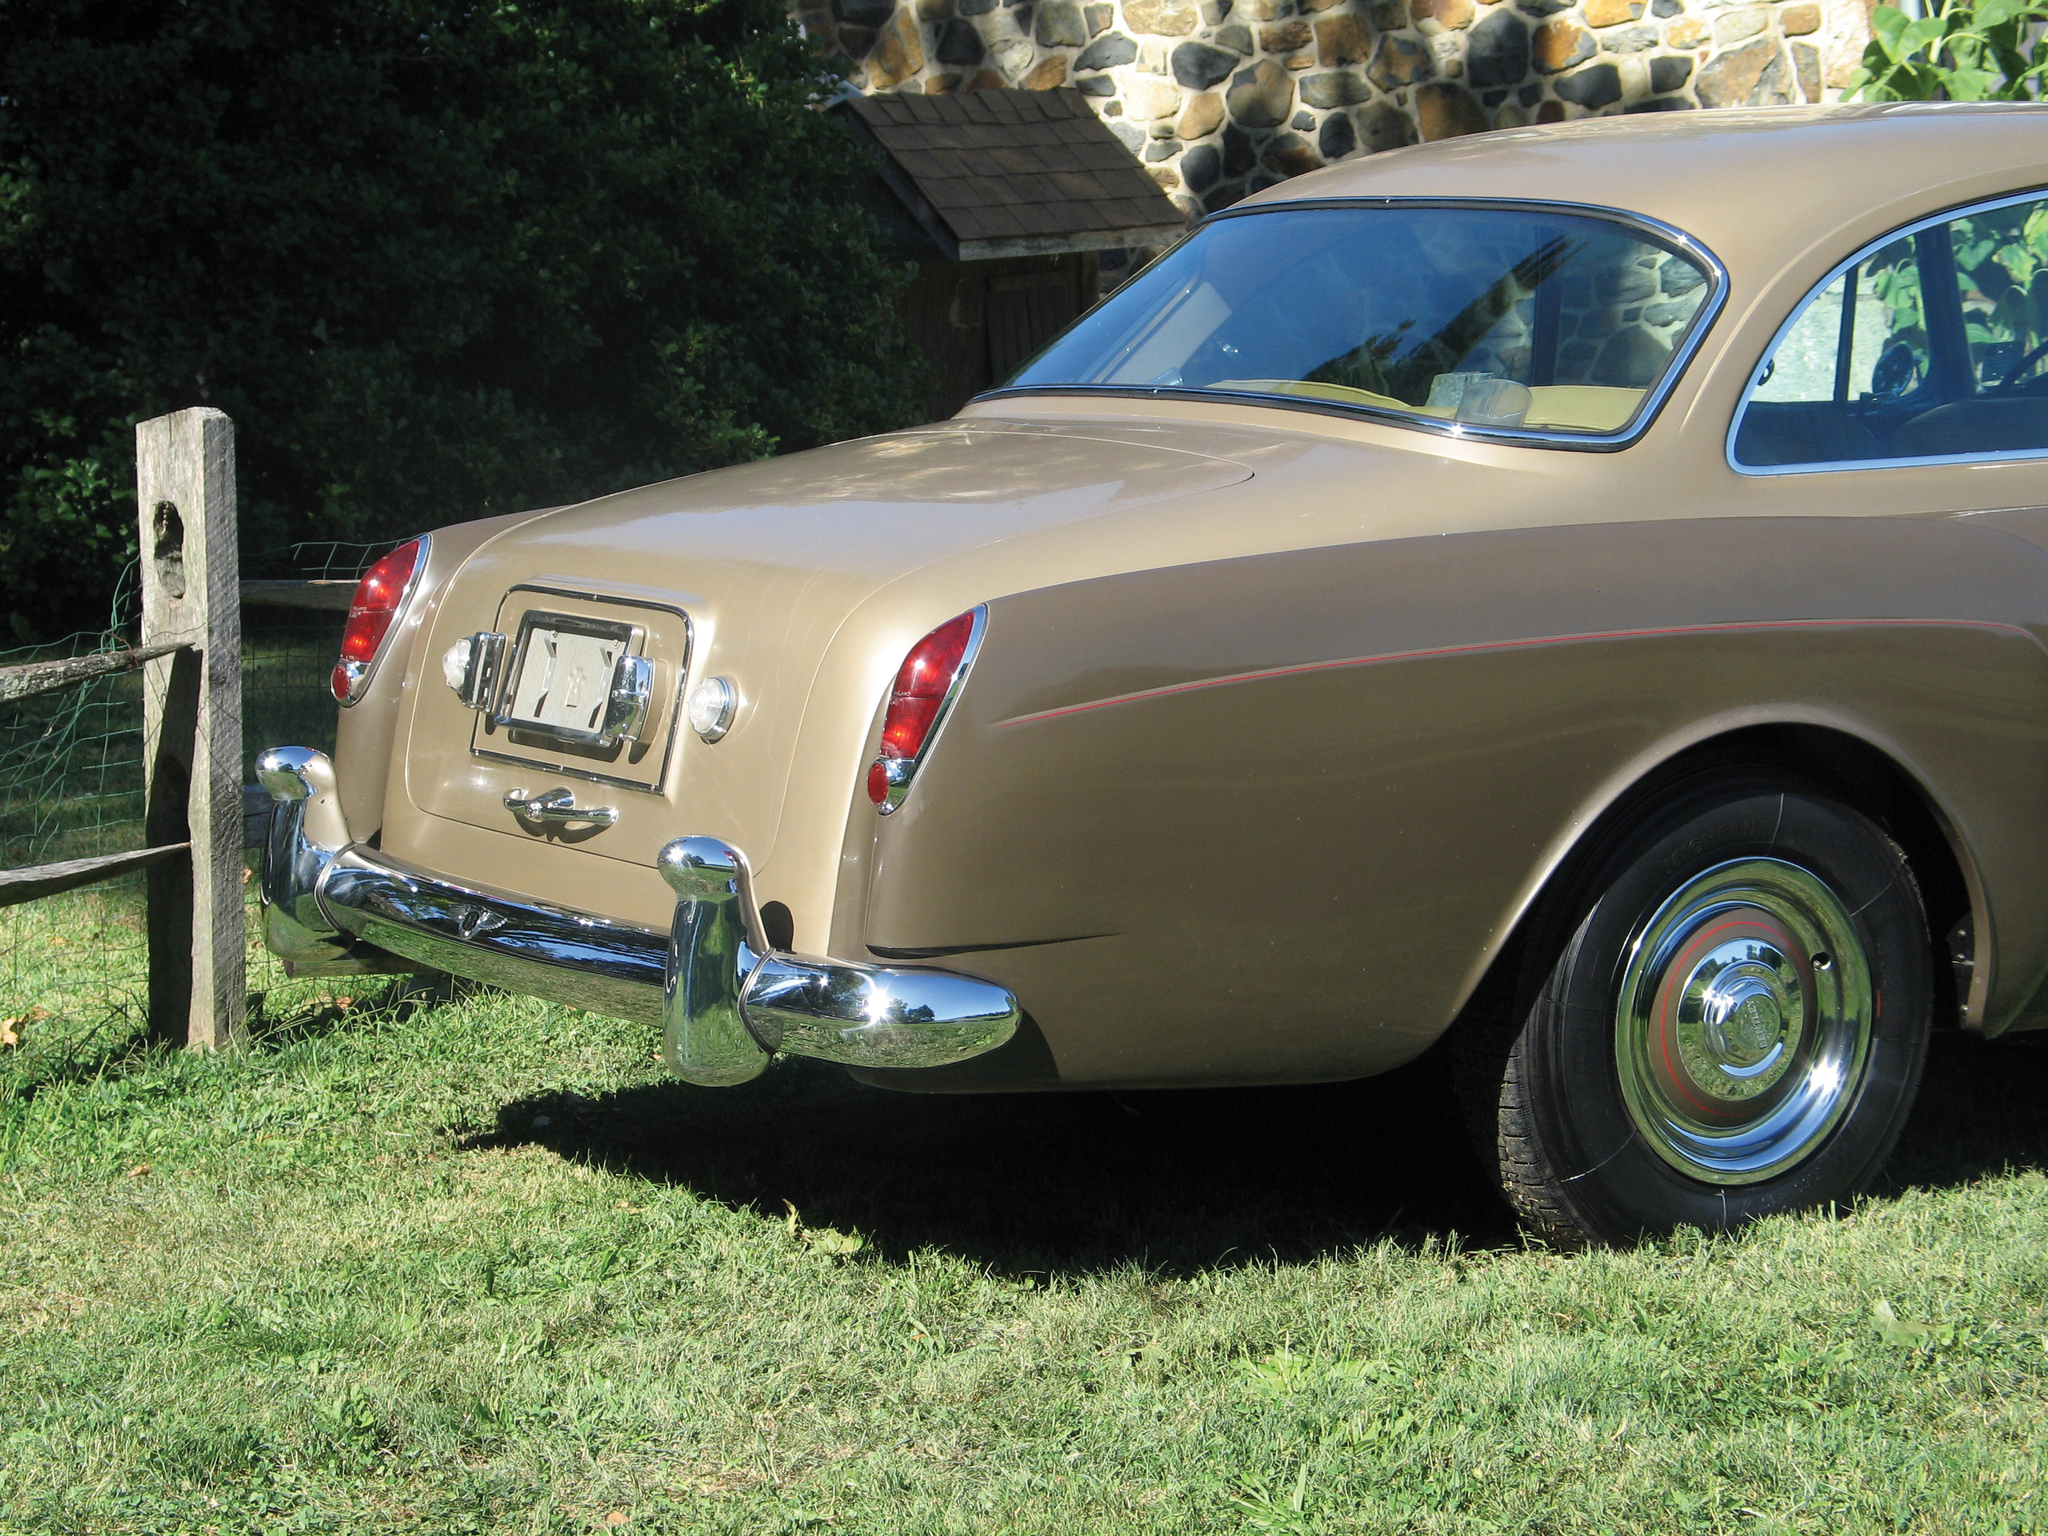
(1013,173)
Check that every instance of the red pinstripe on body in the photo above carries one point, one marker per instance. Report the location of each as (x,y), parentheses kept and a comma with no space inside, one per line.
(1502,645)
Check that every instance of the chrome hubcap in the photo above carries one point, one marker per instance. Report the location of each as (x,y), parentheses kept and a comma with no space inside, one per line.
(1743,1024)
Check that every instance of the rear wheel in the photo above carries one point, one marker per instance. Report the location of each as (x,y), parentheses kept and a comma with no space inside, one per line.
(1734,1025)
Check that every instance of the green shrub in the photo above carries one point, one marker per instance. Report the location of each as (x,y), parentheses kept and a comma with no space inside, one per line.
(1967,50)
(436,259)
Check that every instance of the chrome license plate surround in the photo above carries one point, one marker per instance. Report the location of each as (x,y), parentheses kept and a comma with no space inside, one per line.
(540,643)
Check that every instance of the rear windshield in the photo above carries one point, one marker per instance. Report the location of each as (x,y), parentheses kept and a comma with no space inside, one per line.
(1509,318)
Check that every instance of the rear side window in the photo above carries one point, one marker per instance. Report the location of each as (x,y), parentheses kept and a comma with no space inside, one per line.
(1933,345)
(1538,321)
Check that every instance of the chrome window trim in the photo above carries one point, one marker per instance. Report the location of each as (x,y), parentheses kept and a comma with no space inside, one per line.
(1627,435)
(359,684)
(1903,232)
(659,784)
(902,770)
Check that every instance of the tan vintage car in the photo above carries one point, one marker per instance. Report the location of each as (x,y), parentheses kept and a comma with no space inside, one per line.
(1581,588)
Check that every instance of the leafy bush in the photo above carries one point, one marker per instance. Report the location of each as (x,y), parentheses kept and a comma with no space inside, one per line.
(436,259)
(1989,50)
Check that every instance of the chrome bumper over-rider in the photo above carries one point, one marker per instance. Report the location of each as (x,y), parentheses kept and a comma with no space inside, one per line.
(725,1000)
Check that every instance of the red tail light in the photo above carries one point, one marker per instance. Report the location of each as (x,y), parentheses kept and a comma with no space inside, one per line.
(379,596)
(917,701)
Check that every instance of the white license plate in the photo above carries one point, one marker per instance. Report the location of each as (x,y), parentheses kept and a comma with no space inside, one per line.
(565,681)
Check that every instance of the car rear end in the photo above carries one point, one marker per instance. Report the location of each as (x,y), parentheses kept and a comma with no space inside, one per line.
(522,729)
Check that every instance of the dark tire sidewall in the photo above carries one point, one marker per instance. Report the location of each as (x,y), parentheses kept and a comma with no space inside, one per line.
(1616,1186)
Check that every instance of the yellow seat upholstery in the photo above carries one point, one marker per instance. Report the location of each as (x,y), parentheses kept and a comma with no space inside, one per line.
(1582,407)
(1555,407)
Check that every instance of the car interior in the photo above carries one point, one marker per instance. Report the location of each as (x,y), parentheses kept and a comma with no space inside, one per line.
(1500,317)
(1931,347)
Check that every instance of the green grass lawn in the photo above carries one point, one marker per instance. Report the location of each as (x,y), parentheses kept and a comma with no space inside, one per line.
(422,1261)
(419,1260)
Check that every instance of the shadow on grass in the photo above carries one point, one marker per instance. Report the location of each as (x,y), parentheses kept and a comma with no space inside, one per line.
(1172,1182)
(1053,1183)
(113,1043)
(118,1044)
(388,1000)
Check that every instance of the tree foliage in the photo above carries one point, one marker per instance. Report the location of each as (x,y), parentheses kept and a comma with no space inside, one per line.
(1964,50)
(436,259)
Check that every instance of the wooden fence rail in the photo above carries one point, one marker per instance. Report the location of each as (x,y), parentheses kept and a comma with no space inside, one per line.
(34,677)
(39,677)
(334,596)
(197,815)
(190,657)
(19,885)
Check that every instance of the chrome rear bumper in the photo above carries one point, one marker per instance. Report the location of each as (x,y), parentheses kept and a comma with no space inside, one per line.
(725,1000)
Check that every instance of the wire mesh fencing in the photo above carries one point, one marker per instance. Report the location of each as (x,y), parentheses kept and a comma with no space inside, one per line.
(71,788)
(74,967)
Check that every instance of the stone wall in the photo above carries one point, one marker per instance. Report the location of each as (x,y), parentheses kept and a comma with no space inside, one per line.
(1222,97)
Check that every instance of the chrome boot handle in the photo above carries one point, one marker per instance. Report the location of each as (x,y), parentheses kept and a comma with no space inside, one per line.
(557,807)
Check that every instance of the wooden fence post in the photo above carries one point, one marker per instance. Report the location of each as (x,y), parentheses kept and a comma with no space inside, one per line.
(192,725)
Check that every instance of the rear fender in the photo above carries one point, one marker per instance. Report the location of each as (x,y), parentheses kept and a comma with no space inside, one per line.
(1271,819)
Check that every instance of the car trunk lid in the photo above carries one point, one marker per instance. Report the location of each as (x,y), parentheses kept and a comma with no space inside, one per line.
(744,573)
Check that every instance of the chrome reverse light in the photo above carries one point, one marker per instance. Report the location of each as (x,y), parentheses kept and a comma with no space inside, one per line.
(471,666)
(711,707)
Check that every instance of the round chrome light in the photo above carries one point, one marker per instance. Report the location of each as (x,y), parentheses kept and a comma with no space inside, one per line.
(711,706)
(455,664)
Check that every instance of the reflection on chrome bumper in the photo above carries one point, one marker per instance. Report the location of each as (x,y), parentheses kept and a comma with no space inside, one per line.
(725,1000)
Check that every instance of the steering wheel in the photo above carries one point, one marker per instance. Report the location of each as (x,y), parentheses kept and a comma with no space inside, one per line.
(2012,374)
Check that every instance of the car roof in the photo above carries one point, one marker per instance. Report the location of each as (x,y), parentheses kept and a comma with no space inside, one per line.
(1749,183)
